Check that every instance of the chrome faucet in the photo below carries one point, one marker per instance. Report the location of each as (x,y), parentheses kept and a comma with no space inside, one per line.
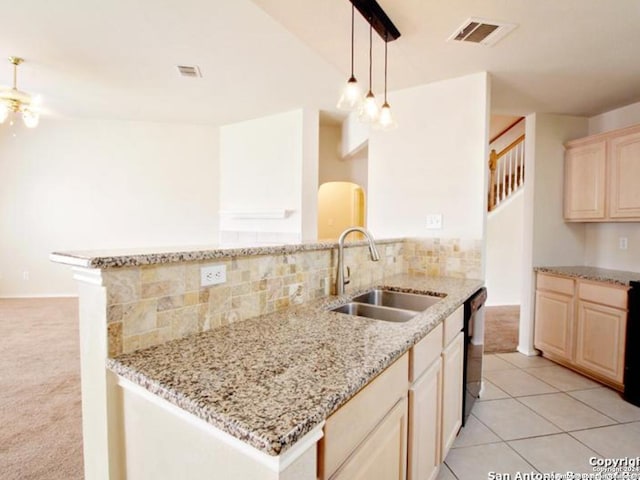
(341,280)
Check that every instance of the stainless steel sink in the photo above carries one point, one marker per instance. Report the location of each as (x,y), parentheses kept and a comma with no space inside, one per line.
(406,301)
(376,312)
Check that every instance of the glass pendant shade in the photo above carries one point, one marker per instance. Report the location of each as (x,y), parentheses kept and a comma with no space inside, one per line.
(369,111)
(385,119)
(351,96)
(14,102)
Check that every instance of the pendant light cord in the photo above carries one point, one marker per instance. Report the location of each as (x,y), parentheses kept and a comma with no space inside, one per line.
(385,69)
(370,52)
(352,36)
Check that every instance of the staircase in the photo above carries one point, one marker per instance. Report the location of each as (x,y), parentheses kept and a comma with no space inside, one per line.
(506,172)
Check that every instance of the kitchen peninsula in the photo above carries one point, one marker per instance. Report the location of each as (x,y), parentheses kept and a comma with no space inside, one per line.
(174,384)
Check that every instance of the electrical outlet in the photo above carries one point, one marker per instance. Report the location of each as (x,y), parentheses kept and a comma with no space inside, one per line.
(213,275)
(434,221)
(622,243)
(25,275)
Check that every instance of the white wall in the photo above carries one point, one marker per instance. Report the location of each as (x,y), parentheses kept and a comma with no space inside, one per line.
(601,248)
(435,162)
(505,140)
(90,184)
(334,168)
(618,118)
(270,163)
(504,252)
(548,240)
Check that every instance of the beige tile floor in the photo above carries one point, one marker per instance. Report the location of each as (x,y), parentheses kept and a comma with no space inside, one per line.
(536,416)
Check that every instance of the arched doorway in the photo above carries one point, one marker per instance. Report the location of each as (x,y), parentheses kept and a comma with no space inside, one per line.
(340,205)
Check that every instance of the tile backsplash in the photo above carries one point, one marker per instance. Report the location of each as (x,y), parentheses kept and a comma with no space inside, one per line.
(153,304)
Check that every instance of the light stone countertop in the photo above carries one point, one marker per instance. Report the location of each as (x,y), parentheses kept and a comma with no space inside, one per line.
(132,257)
(616,277)
(271,379)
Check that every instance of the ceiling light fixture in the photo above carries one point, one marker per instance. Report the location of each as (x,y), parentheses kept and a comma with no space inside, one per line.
(385,119)
(15,101)
(351,95)
(368,109)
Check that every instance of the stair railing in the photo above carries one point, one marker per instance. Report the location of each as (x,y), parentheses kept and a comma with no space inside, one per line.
(506,172)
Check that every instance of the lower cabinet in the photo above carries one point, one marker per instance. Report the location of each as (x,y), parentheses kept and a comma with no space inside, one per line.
(601,339)
(452,391)
(425,410)
(383,455)
(582,324)
(402,425)
(554,323)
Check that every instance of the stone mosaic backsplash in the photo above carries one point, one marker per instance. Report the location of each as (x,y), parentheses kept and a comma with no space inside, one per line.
(446,257)
(152,304)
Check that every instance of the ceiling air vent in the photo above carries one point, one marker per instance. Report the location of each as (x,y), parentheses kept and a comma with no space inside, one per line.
(189,71)
(479,30)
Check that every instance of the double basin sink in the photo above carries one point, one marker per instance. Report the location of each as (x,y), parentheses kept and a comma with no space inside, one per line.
(388,305)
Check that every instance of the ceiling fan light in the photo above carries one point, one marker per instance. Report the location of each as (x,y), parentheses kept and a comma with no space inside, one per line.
(30,118)
(351,96)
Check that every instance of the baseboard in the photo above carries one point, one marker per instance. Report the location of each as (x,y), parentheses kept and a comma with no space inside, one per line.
(528,352)
(39,295)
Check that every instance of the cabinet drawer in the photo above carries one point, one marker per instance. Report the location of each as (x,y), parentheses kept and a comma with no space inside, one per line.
(425,352)
(453,325)
(355,420)
(555,284)
(598,293)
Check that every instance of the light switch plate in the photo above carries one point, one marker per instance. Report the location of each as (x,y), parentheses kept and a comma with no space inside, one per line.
(434,221)
(213,275)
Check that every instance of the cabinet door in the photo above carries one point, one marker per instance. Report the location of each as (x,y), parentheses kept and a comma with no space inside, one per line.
(452,389)
(584,182)
(554,323)
(425,409)
(383,454)
(600,340)
(624,176)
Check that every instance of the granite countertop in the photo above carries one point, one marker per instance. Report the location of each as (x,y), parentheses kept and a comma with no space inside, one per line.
(616,277)
(270,380)
(132,257)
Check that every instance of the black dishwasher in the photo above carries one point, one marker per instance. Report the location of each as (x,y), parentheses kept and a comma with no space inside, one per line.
(473,350)
(632,351)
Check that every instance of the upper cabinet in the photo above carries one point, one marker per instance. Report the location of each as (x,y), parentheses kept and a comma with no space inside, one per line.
(601,177)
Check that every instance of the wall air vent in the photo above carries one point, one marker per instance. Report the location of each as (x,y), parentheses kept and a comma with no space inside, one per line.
(189,71)
(479,30)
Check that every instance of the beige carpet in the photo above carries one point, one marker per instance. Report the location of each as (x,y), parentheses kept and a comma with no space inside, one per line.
(501,328)
(40,414)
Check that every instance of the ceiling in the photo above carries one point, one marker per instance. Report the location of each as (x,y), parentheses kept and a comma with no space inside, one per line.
(117,59)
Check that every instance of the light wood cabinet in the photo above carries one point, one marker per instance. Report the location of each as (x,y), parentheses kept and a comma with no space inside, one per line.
(601,177)
(347,428)
(393,429)
(383,454)
(582,328)
(584,187)
(425,410)
(600,340)
(554,323)
(624,175)
(452,391)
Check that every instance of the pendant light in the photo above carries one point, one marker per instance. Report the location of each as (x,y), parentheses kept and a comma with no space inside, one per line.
(385,120)
(369,111)
(351,95)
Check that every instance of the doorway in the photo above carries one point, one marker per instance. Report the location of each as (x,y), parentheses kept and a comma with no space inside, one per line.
(340,205)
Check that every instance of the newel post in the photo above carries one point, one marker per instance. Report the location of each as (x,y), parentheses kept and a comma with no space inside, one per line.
(493,163)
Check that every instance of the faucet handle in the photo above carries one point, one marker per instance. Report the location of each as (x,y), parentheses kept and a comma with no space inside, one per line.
(347,277)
